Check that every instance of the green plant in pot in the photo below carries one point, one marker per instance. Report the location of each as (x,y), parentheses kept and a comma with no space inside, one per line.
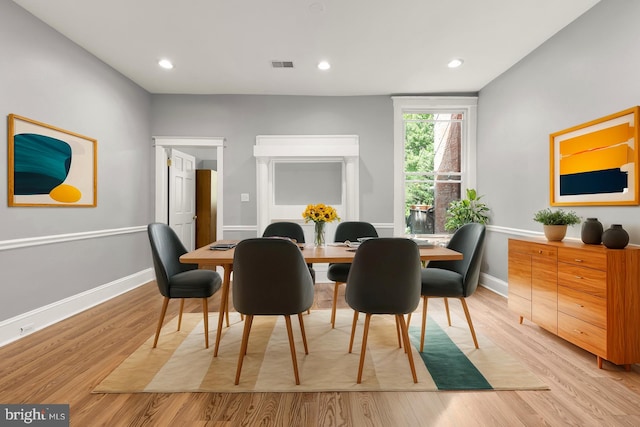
(555,222)
(461,212)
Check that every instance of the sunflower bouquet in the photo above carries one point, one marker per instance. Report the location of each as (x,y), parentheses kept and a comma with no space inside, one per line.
(320,214)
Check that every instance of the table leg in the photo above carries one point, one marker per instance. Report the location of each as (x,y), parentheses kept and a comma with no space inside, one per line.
(224,305)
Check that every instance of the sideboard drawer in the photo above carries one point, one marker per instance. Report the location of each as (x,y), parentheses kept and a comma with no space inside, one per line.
(583,306)
(592,258)
(532,248)
(582,334)
(583,279)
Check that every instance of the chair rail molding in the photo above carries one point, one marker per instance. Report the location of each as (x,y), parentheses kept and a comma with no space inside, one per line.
(271,149)
(62,238)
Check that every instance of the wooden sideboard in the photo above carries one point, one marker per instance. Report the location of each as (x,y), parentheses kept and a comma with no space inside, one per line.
(586,294)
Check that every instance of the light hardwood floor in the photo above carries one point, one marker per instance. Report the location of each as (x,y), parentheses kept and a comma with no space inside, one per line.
(64,362)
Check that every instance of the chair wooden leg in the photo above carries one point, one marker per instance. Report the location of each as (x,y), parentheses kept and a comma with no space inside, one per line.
(250,321)
(180,315)
(304,335)
(162,313)
(446,307)
(364,346)
(243,346)
(336,286)
(227,272)
(353,329)
(466,313)
(407,345)
(224,305)
(205,314)
(424,322)
(292,346)
(398,334)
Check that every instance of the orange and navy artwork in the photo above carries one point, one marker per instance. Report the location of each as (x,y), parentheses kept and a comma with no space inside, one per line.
(49,166)
(596,163)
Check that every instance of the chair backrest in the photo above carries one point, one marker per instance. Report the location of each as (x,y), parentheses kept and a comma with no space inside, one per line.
(352,230)
(291,230)
(468,240)
(166,250)
(270,277)
(385,277)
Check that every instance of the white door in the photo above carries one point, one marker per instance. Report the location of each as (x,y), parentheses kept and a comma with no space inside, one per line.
(182,197)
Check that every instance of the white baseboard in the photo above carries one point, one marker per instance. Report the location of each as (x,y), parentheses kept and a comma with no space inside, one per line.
(19,326)
(494,284)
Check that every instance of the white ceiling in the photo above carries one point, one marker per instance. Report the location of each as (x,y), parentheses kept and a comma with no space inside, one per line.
(375,47)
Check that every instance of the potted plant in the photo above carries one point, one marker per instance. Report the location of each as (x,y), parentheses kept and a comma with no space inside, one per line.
(467,210)
(555,222)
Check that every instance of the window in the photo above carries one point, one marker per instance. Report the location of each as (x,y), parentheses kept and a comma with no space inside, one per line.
(434,152)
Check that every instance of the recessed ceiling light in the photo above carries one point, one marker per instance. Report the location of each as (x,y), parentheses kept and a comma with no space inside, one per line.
(324,65)
(316,8)
(455,63)
(166,64)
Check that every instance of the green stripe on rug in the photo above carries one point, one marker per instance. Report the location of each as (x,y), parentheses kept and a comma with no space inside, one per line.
(447,364)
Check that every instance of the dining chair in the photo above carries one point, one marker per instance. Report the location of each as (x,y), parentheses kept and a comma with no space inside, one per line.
(455,279)
(270,277)
(292,230)
(338,272)
(384,279)
(178,280)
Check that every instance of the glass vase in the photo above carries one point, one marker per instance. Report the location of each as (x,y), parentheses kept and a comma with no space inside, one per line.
(318,235)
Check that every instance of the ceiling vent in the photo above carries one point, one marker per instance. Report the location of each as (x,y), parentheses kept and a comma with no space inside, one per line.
(282,64)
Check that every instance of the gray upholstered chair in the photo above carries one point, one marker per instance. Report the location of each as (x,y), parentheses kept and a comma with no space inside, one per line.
(455,279)
(291,230)
(384,279)
(338,272)
(270,277)
(178,280)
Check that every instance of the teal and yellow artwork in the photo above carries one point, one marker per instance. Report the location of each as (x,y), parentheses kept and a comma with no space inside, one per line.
(49,166)
(41,165)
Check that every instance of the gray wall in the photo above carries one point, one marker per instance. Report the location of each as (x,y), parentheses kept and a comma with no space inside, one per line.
(240,118)
(588,70)
(45,77)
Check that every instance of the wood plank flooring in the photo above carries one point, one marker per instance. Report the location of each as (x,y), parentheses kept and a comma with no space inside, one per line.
(64,362)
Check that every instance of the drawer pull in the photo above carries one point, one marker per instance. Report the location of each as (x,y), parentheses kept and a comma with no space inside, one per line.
(579,277)
(580,305)
(578,260)
(578,331)
(539,252)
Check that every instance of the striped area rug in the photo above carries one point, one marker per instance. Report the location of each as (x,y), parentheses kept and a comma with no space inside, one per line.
(180,363)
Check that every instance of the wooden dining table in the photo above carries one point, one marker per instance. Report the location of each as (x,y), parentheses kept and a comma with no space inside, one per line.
(206,257)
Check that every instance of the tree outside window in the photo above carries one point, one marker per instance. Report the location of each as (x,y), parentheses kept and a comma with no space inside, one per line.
(431,168)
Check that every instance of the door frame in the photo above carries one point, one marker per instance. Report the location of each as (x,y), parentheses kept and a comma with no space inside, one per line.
(162,144)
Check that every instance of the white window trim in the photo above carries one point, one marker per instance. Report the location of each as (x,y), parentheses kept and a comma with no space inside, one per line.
(406,104)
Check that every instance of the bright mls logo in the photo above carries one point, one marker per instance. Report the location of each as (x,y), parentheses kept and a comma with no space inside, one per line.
(34,415)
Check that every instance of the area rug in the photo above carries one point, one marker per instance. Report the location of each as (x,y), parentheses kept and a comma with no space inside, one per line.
(180,363)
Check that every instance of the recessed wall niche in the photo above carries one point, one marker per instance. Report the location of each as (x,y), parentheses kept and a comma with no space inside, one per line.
(295,170)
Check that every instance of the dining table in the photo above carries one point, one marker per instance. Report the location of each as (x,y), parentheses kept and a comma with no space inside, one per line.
(209,257)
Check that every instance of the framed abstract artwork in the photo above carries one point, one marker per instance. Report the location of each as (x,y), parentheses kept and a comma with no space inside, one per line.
(596,163)
(49,166)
